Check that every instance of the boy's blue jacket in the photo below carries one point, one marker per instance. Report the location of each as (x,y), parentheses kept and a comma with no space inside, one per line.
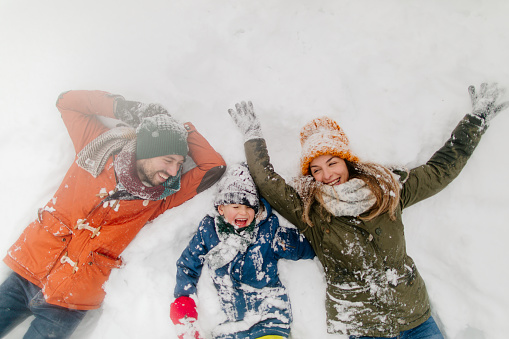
(252,297)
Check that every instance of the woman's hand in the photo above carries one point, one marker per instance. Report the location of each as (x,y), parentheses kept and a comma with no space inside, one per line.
(484,103)
(246,120)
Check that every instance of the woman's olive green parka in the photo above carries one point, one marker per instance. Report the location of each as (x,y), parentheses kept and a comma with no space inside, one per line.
(373,286)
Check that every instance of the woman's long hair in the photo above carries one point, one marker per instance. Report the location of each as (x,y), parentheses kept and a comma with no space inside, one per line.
(382,182)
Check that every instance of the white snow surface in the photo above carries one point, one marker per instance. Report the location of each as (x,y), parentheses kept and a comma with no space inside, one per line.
(394,74)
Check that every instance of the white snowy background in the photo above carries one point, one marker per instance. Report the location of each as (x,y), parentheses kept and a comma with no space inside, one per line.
(393,73)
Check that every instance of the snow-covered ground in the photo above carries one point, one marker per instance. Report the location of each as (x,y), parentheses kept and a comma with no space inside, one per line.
(393,73)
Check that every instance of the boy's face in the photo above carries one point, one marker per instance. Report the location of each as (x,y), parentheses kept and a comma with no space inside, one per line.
(237,215)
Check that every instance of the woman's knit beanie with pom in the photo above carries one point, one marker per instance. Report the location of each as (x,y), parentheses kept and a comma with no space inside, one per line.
(323,136)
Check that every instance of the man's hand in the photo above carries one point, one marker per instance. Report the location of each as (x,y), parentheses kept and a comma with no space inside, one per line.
(246,120)
(133,112)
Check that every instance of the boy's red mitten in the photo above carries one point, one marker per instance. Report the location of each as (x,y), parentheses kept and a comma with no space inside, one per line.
(183,307)
(183,313)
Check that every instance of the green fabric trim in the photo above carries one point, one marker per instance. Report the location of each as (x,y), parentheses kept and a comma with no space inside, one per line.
(227,228)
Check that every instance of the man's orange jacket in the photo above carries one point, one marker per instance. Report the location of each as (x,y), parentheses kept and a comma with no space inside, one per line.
(71,264)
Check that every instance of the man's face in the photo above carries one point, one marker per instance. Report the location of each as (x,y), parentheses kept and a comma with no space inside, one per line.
(156,171)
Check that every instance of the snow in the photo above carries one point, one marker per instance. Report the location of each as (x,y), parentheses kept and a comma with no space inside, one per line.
(393,74)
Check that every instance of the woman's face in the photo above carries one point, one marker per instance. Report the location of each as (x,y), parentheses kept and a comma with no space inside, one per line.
(329,169)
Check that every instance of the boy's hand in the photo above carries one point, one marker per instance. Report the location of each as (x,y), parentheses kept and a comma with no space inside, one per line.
(183,313)
(245,118)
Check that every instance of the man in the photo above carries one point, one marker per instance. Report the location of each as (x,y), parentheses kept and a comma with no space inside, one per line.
(122,178)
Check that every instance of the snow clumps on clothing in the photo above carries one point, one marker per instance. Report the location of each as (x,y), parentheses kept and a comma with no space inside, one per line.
(237,187)
(323,136)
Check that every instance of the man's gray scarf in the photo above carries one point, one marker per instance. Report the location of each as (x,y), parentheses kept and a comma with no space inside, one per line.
(95,154)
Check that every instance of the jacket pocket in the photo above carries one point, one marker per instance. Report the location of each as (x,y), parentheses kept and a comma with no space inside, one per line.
(105,262)
(53,224)
(83,289)
(41,245)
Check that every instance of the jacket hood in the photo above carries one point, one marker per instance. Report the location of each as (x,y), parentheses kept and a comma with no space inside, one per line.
(264,213)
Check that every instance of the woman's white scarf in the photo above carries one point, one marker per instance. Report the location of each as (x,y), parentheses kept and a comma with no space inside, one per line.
(349,199)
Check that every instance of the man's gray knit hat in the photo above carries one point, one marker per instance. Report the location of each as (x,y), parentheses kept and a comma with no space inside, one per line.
(237,187)
(160,135)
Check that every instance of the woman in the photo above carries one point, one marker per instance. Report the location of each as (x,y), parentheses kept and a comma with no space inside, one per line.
(350,212)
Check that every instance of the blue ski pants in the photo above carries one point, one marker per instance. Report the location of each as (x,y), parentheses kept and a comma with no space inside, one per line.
(426,330)
(20,299)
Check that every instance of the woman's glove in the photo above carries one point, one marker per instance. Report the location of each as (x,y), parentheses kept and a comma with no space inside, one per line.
(246,120)
(184,315)
(133,112)
(483,103)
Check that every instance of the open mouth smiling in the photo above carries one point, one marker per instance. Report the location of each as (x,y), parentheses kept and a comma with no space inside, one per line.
(241,222)
(164,176)
(334,182)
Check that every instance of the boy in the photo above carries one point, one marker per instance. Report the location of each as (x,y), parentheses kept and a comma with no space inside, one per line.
(241,245)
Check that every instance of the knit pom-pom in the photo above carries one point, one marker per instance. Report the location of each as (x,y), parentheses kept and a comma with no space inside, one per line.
(323,136)
(324,123)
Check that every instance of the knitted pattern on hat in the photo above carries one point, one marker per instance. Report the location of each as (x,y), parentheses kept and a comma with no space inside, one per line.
(160,135)
(237,187)
(323,136)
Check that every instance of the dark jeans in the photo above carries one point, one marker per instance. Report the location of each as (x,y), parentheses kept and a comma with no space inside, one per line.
(427,330)
(20,299)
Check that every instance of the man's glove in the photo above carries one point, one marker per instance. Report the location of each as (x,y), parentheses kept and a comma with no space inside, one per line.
(246,120)
(133,112)
(184,315)
(483,103)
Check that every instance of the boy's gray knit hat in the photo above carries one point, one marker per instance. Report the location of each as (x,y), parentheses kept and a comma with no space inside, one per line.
(160,135)
(237,187)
